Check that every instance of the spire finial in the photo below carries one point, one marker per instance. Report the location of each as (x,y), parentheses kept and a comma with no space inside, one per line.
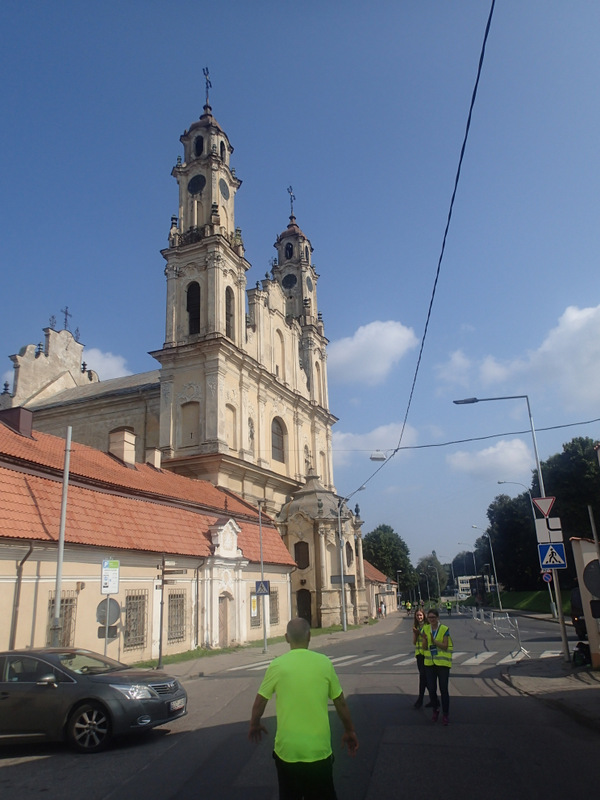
(292,198)
(208,83)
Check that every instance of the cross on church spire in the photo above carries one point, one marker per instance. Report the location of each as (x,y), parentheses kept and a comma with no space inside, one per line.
(292,198)
(67,314)
(208,83)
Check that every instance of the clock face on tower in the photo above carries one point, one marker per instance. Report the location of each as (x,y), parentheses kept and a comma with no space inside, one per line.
(289,281)
(196,184)
(224,189)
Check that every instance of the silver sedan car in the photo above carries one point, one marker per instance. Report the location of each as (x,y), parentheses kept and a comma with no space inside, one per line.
(58,694)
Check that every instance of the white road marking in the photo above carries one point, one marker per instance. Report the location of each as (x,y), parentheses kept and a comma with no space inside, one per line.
(478,659)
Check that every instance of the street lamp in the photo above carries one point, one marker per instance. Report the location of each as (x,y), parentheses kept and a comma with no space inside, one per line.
(489,538)
(517,483)
(428,592)
(262,574)
(469,401)
(437,575)
(473,554)
(341,502)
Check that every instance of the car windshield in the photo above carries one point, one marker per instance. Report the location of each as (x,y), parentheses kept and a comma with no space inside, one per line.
(84,663)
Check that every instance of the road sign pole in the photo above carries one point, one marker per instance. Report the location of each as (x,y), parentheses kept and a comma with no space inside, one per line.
(106,624)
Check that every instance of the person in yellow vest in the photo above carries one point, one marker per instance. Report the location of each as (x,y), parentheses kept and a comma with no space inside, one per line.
(418,625)
(437,649)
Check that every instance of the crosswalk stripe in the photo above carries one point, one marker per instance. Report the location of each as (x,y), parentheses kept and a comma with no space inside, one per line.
(354,660)
(251,666)
(512,658)
(387,658)
(478,659)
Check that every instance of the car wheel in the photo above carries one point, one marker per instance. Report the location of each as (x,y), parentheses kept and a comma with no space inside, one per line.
(89,728)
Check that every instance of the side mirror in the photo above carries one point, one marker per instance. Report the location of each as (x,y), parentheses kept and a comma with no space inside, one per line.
(48,680)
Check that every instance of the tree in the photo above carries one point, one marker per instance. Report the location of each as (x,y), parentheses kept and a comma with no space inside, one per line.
(429,571)
(388,552)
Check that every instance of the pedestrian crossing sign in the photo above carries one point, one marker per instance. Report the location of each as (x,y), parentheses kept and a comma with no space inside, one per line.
(263,587)
(552,556)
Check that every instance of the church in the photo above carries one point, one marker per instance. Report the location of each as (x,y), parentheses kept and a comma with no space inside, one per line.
(239,397)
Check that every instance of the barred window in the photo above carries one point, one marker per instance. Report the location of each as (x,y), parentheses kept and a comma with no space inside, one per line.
(136,613)
(255,604)
(274,606)
(67,615)
(176,617)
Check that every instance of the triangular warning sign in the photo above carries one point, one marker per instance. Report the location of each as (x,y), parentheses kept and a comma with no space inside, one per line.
(544,504)
(552,557)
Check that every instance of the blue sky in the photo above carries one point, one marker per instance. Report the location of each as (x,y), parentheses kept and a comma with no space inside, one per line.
(361,107)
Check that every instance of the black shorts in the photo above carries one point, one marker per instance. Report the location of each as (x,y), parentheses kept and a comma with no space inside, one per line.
(305,780)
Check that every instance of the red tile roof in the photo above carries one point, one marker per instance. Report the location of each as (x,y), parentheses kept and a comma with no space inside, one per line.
(114,506)
(373,574)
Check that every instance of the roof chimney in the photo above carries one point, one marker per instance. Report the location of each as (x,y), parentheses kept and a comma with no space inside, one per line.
(121,445)
(18,419)
(153,457)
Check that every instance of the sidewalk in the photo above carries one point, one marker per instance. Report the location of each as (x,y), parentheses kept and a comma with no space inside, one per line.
(573,690)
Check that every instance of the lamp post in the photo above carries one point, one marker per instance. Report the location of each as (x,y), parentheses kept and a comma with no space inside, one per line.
(428,592)
(341,502)
(437,575)
(473,554)
(469,401)
(489,538)
(517,483)
(262,574)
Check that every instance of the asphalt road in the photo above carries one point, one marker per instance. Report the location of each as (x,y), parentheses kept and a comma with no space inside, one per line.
(498,745)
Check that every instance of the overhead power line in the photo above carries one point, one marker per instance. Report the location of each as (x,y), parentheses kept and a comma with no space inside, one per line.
(443,247)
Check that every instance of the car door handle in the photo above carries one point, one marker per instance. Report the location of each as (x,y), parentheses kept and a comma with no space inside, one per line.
(4,695)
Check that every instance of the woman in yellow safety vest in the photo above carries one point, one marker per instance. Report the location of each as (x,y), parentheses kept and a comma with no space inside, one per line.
(437,649)
(418,625)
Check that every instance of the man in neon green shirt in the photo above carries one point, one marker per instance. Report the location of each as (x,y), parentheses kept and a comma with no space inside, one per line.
(304,682)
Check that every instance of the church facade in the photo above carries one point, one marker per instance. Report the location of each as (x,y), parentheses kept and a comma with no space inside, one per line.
(240,395)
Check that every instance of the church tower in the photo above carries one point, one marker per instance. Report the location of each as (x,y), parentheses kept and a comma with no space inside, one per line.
(243,383)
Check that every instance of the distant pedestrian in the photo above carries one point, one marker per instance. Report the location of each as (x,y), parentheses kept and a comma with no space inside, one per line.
(304,682)
(383,608)
(449,607)
(437,647)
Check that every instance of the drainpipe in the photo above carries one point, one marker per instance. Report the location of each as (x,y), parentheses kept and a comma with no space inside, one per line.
(15,611)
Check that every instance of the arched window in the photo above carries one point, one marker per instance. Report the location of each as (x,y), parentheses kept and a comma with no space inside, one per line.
(289,250)
(193,308)
(198,146)
(229,313)
(223,151)
(190,424)
(302,555)
(318,384)
(231,423)
(307,463)
(279,356)
(278,440)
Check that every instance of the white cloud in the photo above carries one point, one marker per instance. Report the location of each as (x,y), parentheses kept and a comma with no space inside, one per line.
(567,363)
(507,457)
(369,355)
(107,365)
(456,370)
(385,438)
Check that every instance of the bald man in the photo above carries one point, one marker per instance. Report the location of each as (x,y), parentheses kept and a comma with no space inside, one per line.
(304,682)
